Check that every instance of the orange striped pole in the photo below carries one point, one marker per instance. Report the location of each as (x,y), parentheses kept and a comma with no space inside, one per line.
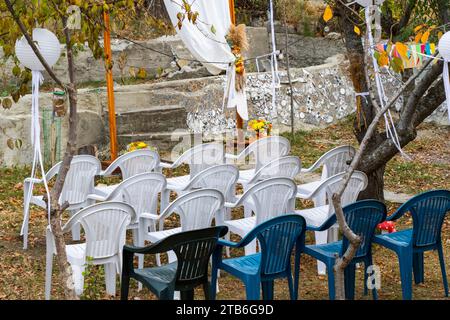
(110,87)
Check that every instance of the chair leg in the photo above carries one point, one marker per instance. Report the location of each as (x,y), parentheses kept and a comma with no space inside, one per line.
(110,278)
(442,263)
(349,273)
(252,289)
(213,285)
(187,294)
(321,238)
(26,219)
(292,293)
(406,270)
(267,289)
(124,287)
(331,289)
(418,267)
(206,290)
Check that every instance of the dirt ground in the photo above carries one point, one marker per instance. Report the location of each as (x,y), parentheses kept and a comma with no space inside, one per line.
(22,272)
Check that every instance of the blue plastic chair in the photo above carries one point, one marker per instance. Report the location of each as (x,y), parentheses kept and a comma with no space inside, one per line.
(362,217)
(428,211)
(277,238)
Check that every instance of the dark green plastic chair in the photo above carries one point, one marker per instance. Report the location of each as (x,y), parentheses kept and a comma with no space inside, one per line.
(193,250)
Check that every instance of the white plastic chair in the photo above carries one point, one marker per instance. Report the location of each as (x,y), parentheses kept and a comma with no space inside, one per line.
(196,210)
(198,158)
(270,198)
(263,151)
(79,183)
(141,192)
(320,213)
(284,167)
(105,227)
(333,162)
(130,164)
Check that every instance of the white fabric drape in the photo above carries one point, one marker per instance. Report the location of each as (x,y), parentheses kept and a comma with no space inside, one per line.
(211,48)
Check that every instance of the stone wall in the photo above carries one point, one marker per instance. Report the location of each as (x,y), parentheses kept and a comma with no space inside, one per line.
(323,95)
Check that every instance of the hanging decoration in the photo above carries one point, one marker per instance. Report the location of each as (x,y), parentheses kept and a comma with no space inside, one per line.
(237,40)
(371,13)
(444,50)
(50,49)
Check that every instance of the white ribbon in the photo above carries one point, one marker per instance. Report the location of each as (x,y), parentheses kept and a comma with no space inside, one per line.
(447,85)
(37,80)
(391,131)
(233,97)
(276,82)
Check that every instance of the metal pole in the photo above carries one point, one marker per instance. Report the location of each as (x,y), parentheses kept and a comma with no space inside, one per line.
(110,87)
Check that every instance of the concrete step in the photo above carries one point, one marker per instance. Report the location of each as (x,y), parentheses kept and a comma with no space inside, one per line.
(164,141)
(154,119)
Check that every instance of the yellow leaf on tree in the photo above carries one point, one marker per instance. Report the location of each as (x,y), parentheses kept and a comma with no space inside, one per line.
(328,14)
(440,34)
(402,49)
(418,37)
(418,28)
(357,30)
(425,37)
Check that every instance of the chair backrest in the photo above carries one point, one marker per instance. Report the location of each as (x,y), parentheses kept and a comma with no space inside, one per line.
(267,149)
(272,197)
(80,179)
(197,208)
(277,238)
(363,217)
(105,226)
(356,184)
(201,157)
(428,211)
(135,162)
(336,160)
(141,192)
(221,177)
(287,167)
(193,250)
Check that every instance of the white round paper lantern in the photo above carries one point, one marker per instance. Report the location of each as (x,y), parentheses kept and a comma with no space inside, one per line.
(444,46)
(48,45)
(366,3)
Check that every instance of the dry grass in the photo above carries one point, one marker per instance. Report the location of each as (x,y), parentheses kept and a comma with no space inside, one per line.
(22,272)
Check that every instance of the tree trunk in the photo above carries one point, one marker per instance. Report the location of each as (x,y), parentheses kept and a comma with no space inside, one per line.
(375,184)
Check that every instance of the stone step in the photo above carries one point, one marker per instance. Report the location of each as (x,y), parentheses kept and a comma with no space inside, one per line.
(164,141)
(154,119)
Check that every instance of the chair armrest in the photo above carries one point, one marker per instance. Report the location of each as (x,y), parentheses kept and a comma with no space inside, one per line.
(226,243)
(150,216)
(166,165)
(231,204)
(96,197)
(34,180)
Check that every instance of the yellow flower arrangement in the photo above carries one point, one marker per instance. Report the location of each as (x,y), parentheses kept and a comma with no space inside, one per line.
(137,146)
(259,125)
